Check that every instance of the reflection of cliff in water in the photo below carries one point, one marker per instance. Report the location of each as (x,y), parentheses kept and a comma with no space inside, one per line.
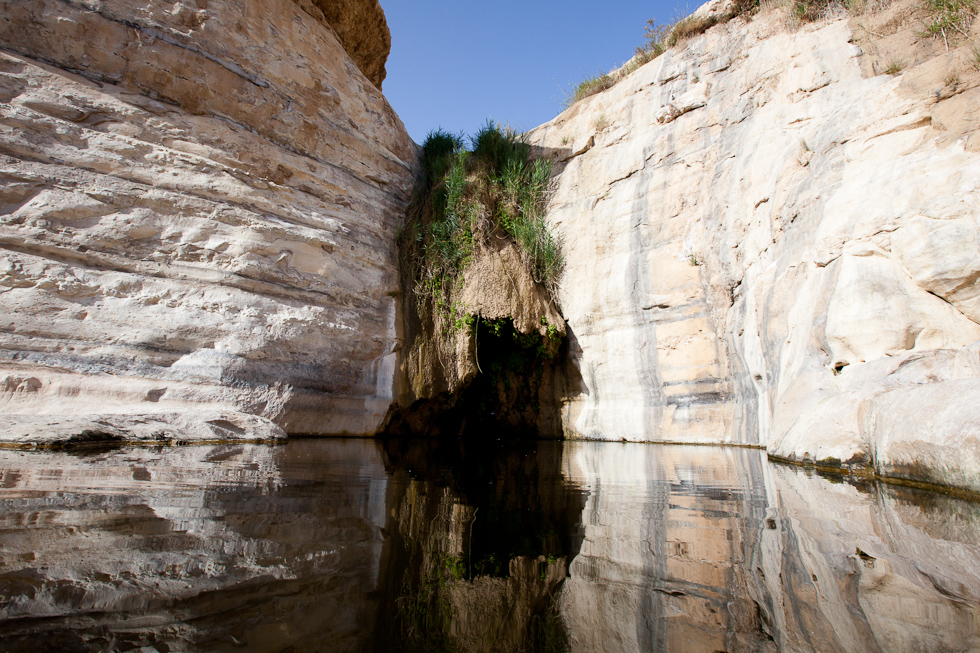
(479,537)
(353,545)
(716,549)
(195,548)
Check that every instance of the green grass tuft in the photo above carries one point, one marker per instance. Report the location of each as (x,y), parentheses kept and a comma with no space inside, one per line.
(590,86)
(497,189)
(497,147)
(659,38)
(894,67)
(950,19)
(437,150)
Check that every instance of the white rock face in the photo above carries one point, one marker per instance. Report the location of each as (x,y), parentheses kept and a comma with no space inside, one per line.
(198,204)
(762,240)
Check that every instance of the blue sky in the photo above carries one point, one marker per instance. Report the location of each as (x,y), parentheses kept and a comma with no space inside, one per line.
(456,63)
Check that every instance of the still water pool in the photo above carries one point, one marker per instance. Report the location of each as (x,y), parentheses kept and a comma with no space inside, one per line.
(358,545)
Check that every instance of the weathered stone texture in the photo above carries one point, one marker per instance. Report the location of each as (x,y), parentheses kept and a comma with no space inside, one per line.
(362,29)
(192,548)
(198,204)
(763,241)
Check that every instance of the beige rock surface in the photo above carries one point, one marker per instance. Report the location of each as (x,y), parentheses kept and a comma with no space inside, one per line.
(207,547)
(762,237)
(150,428)
(198,204)
(362,29)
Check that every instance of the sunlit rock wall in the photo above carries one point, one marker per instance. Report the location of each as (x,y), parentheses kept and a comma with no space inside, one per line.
(198,205)
(768,244)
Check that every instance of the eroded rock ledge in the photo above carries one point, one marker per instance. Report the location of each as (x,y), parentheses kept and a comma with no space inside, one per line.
(361,27)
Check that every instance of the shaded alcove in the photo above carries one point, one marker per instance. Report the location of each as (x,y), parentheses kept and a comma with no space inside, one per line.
(479,536)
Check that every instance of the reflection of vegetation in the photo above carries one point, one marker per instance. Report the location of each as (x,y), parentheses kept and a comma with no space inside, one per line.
(506,508)
(423,613)
(453,567)
(423,617)
(547,633)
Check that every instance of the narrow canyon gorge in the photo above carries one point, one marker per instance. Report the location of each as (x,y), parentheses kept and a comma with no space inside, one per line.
(211,228)
(768,241)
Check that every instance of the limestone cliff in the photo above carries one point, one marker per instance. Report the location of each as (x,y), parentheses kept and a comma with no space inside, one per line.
(198,205)
(769,243)
(362,29)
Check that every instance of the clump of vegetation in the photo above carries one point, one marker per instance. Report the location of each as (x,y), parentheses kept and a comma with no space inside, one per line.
(808,11)
(975,51)
(495,190)
(950,19)
(591,86)
(894,67)
(423,617)
(658,39)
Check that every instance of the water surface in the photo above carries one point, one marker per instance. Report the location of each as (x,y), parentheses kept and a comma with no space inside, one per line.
(358,545)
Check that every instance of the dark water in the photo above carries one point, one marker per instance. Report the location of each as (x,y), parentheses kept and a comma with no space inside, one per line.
(354,545)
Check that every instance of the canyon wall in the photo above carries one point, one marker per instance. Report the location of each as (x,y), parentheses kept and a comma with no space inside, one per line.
(198,205)
(770,244)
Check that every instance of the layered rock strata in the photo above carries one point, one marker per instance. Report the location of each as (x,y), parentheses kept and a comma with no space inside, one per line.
(769,244)
(193,548)
(198,205)
(53,431)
